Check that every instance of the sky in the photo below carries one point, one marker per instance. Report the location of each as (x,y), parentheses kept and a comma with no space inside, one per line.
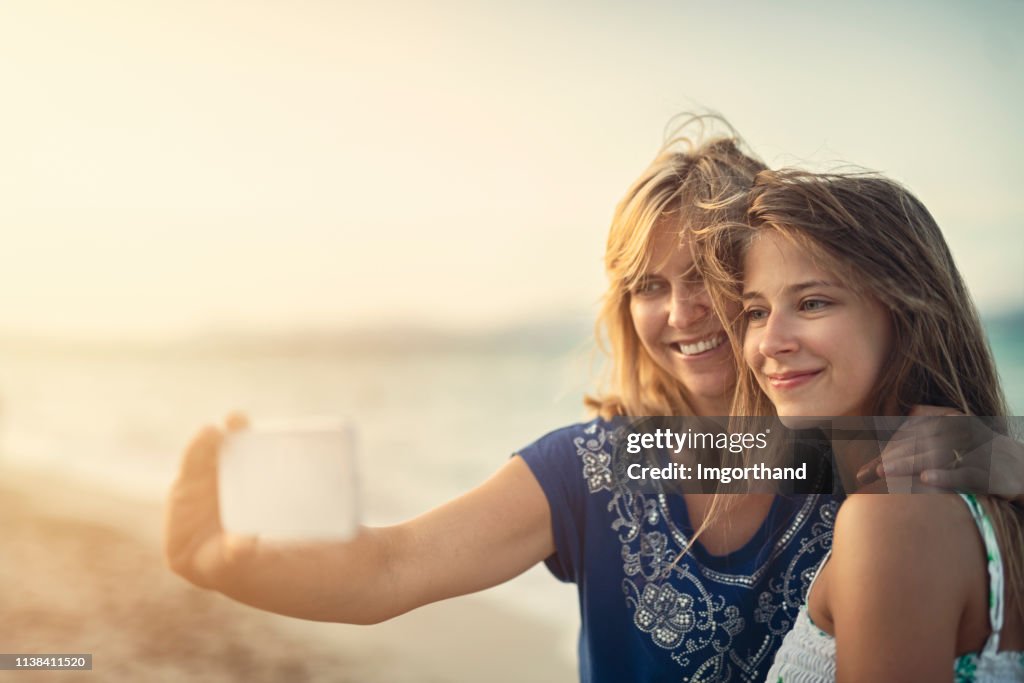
(173,167)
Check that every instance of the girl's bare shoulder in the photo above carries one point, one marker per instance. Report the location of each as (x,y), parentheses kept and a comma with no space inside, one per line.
(927,537)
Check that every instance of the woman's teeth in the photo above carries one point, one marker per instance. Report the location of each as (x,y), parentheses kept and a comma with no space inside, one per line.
(701,346)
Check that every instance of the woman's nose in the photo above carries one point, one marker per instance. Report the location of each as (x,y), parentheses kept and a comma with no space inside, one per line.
(688,308)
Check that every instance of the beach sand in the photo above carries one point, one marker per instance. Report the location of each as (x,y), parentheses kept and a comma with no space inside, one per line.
(82,572)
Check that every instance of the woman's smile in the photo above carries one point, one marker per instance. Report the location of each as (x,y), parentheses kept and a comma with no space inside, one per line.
(675,323)
(701,348)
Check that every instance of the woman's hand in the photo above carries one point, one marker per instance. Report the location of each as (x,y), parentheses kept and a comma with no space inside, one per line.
(195,544)
(482,538)
(952,451)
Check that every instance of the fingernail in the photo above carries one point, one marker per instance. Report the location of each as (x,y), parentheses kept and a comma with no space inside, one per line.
(929,477)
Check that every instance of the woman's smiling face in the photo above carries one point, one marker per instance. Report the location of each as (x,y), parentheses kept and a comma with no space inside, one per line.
(816,347)
(674,321)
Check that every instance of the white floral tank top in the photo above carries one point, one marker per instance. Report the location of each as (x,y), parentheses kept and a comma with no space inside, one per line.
(808,654)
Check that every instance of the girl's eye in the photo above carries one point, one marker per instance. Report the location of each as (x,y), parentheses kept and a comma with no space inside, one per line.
(813,305)
(755,314)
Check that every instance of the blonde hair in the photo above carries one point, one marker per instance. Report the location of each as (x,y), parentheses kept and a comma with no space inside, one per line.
(689,186)
(882,242)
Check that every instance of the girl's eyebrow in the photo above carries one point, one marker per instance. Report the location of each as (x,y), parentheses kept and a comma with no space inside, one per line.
(791,289)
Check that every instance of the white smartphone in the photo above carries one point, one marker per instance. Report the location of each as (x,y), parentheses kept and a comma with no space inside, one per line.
(290,479)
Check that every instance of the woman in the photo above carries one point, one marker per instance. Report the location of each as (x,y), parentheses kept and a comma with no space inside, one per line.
(656,604)
(853,306)
(718,613)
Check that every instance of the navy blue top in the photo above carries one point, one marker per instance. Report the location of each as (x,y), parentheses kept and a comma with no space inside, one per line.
(705,618)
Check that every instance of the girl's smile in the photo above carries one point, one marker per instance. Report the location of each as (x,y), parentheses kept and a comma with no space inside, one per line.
(817,348)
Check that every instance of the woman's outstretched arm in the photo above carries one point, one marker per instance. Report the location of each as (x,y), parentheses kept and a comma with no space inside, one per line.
(480,539)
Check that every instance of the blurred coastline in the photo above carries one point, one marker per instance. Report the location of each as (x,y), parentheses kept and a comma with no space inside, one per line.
(436,412)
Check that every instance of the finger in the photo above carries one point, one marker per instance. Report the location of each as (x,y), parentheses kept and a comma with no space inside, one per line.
(968,479)
(869,472)
(925,434)
(201,454)
(919,462)
(899,450)
(980,457)
(899,468)
(236,421)
(933,446)
(915,455)
(914,435)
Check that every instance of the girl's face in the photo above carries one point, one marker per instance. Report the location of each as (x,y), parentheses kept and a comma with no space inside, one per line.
(675,323)
(816,347)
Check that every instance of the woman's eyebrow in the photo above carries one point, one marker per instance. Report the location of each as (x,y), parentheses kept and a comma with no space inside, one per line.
(791,289)
(690,273)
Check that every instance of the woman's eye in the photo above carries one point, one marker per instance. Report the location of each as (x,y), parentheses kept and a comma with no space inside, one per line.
(648,286)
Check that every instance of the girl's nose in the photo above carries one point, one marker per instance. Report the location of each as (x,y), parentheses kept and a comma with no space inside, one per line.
(777,337)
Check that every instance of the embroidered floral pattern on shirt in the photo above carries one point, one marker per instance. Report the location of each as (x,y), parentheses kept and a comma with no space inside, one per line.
(596,461)
(652,560)
(677,601)
(666,614)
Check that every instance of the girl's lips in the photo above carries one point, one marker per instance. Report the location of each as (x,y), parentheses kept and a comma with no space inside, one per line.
(792,380)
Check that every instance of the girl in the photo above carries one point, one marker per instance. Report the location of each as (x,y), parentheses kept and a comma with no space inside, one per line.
(853,306)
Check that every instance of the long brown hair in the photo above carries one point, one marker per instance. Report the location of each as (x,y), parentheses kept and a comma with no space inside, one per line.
(690,185)
(883,243)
